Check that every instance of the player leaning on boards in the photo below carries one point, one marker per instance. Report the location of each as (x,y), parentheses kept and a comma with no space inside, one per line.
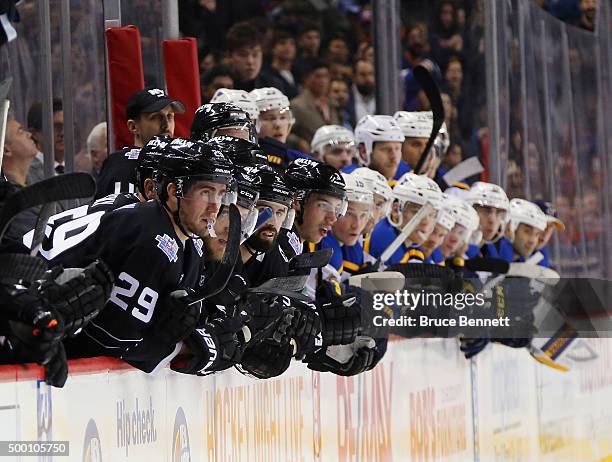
(145,318)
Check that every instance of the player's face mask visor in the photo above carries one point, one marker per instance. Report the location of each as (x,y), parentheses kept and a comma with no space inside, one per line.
(244,131)
(212,189)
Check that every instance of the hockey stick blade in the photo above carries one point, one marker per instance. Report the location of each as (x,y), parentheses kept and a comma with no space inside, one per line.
(526,270)
(387,281)
(217,282)
(428,84)
(281,286)
(308,260)
(406,231)
(39,231)
(5,104)
(58,188)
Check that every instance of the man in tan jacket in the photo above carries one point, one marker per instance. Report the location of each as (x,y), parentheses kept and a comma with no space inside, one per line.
(312,108)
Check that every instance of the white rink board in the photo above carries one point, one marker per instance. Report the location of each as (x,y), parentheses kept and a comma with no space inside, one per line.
(424,402)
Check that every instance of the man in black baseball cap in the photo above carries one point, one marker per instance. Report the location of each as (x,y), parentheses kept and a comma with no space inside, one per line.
(150,112)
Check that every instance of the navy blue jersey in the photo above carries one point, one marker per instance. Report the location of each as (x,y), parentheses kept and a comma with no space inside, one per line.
(139,244)
(118,173)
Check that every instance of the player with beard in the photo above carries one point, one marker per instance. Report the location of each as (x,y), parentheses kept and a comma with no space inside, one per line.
(145,318)
(263,255)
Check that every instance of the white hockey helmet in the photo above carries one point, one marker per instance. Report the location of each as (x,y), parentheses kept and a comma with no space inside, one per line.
(417,189)
(446,219)
(377,183)
(416,124)
(357,190)
(240,98)
(464,215)
(268,98)
(331,134)
(523,211)
(488,195)
(373,128)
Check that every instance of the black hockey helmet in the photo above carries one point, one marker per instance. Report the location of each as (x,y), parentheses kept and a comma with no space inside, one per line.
(310,176)
(248,182)
(186,161)
(211,117)
(238,150)
(148,159)
(274,187)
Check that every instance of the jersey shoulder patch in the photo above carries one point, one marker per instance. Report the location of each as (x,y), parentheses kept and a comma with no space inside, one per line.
(168,246)
(294,241)
(198,244)
(132,154)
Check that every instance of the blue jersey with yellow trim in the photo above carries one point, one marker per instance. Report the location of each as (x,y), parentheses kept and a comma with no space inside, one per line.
(436,258)
(330,242)
(353,257)
(383,235)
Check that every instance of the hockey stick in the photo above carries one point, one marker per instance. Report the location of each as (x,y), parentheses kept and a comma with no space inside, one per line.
(428,84)
(5,104)
(526,270)
(217,282)
(290,286)
(41,224)
(58,188)
(386,281)
(490,265)
(308,260)
(403,235)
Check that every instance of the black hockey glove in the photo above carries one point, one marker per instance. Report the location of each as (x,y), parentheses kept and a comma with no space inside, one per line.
(178,317)
(266,359)
(235,288)
(78,294)
(340,315)
(217,346)
(345,360)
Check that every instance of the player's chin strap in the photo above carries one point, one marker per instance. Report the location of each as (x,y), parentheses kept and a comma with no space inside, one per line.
(176,216)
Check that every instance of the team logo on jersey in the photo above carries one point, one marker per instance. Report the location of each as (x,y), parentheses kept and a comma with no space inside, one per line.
(197,243)
(169,246)
(294,240)
(132,154)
